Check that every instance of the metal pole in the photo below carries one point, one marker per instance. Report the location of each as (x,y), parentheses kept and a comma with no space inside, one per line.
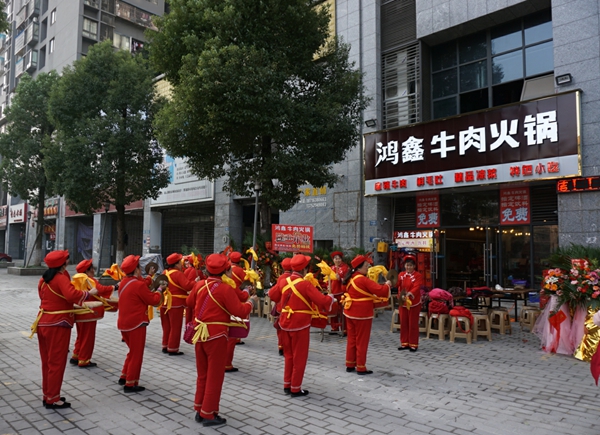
(29,214)
(256,189)
(102,240)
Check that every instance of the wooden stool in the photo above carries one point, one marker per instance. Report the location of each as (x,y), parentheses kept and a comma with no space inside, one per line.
(438,324)
(481,326)
(266,309)
(500,320)
(258,308)
(423,322)
(457,330)
(528,317)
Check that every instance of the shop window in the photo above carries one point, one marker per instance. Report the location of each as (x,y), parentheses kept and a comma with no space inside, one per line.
(471,208)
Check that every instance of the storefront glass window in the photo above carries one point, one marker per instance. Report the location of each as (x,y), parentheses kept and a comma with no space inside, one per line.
(545,242)
(444,83)
(515,254)
(538,28)
(539,59)
(507,67)
(507,37)
(473,76)
(472,208)
(472,48)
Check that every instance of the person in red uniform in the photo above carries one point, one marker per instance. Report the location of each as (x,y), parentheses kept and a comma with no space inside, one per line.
(238,274)
(361,294)
(281,281)
(336,286)
(86,323)
(410,282)
(192,271)
(171,312)
(134,298)
(213,303)
(297,298)
(54,323)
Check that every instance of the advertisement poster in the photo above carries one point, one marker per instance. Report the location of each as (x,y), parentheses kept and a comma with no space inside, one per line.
(292,238)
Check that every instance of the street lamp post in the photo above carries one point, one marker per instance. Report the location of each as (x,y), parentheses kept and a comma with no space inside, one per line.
(102,235)
(256,191)
(25,260)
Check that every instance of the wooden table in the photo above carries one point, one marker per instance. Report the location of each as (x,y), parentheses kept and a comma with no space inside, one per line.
(513,294)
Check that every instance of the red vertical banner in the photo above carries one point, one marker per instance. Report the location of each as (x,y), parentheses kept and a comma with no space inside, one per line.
(515,208)
(292,238)
(428,210)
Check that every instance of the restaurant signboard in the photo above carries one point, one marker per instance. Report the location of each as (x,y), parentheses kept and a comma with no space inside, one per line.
(292,238)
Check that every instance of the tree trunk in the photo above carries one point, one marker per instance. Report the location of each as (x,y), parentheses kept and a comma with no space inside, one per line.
(34,258)
(120,233)
(265,220)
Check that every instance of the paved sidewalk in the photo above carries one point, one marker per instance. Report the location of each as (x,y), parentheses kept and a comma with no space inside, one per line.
(507,386)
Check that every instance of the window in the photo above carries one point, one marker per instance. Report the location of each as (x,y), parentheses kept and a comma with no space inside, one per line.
(489,68)
(44,30)
(90,28)
(400,87)
(42,60)
(121,42)
(51,46)
(53,16)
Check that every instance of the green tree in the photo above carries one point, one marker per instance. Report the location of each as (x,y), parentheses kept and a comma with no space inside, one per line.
(105,150)
(4,24)
(251,102)
(29,132)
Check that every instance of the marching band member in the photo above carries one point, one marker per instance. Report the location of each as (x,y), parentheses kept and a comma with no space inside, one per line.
(238,275)
(287,272)
(171,312)
(296,299)
(336,286)
(134,298)
(53,325)
(409,282)
(214,302)
(361,294)
(192,267)
(86,324)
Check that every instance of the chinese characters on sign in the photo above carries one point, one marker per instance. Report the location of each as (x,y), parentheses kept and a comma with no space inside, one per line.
(578,185)
(313,197)
(428,210)
(514,206)
(292,238)
(17,213)
(413,239)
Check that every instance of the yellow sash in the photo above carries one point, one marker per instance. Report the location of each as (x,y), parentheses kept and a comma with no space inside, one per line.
(347,300)
(168,295)
(290,285)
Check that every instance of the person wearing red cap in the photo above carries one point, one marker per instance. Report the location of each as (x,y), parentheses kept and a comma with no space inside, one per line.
(192,271)
(213,302)
(287,272)
(298,298)
(86,323)
(337,287)
(171,312)
(361,294)
(134,298)
(409,283)
(238,274)
(54,323)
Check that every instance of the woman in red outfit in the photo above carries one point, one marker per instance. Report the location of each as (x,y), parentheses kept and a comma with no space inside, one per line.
(53,325)
(361,294)
(296,298)
(336,286)
(86,323)
(409,283)
(281,281)
(213,302)
(134,298)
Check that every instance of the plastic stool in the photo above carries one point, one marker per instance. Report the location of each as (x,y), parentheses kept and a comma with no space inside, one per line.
(500,320)
(528,318)
(266,309)
(479,329)
(423,322)
(457,330)
(438,324)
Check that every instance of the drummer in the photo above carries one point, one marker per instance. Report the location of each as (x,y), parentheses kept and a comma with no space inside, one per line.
(337,287)
(86,324)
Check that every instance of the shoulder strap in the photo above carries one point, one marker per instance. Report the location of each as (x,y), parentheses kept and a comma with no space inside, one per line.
(168,273)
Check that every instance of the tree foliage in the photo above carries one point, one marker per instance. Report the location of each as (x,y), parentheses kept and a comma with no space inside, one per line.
(105,150)
(250,102)
(4,24)
(23,148)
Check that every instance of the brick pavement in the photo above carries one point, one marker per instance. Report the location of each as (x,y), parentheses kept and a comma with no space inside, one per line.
(507,386)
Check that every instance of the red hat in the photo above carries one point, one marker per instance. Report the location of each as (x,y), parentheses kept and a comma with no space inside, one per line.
(411,258)
(334,253)
(217,264)
(299,262)
(286,263)
(56,259)
(359,260)
(238,274)
(83,266)
(235,257)
(174,258)
(130,263)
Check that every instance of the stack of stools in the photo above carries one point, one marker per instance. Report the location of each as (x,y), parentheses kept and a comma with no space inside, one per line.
(267,307)
(461,328)
(528,317)
(500,320)
(438,324)
(481,326)
(423,322)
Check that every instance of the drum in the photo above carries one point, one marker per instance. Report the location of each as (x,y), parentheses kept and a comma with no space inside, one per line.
(319,322)
(381,304)
(240,331)
(114,305)
(322,321)
(98,312)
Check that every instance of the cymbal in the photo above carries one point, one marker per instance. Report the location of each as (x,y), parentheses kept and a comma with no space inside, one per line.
(149,265)
(392,276)
(158,280)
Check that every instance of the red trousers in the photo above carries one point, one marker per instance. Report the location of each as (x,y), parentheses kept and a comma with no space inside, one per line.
(295,353)
(210,365)
(409,326)
(54,349)
(231,342)
(359,333)
(136,341)
(84,343)
(172,324)
(280,339)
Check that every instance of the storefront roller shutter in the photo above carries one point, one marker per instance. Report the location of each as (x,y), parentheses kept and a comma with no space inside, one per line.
(398,23)
(544,204)
(405,213)
(187,227)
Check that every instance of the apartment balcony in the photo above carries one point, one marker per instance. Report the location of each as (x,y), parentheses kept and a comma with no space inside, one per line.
(19,67)
(20,42)
(32,34)
(31,61)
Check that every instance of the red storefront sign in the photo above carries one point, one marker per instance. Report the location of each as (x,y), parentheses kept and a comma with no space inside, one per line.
(292,238)
(514,206)
(428,210)
(583,184)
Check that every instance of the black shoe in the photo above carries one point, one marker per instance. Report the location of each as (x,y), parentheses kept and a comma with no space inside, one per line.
(198,418)
(366,372)
(232,370)
(280,352)
(122,381)
(88,366)
(122,340)
(164,350)
(214,422)
(334,332)
(57,406)
(44,402)
(299,393)
(413,349)
(350,369)
(403,348)
(239,343)
(175,353)
(287,391)
(74,361)
(133,389)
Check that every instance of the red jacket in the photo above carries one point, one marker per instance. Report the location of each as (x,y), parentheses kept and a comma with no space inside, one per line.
(411,284)
(192,273)
(275,291)
(337,288)
(58,295)
(363,309)
(134,298)
(179,287)
(293,314)
(227,299)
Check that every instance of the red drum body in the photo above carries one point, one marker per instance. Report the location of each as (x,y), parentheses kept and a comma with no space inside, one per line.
(381,304)
(114,305)
(91,317)
(319,322)
(240,331)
